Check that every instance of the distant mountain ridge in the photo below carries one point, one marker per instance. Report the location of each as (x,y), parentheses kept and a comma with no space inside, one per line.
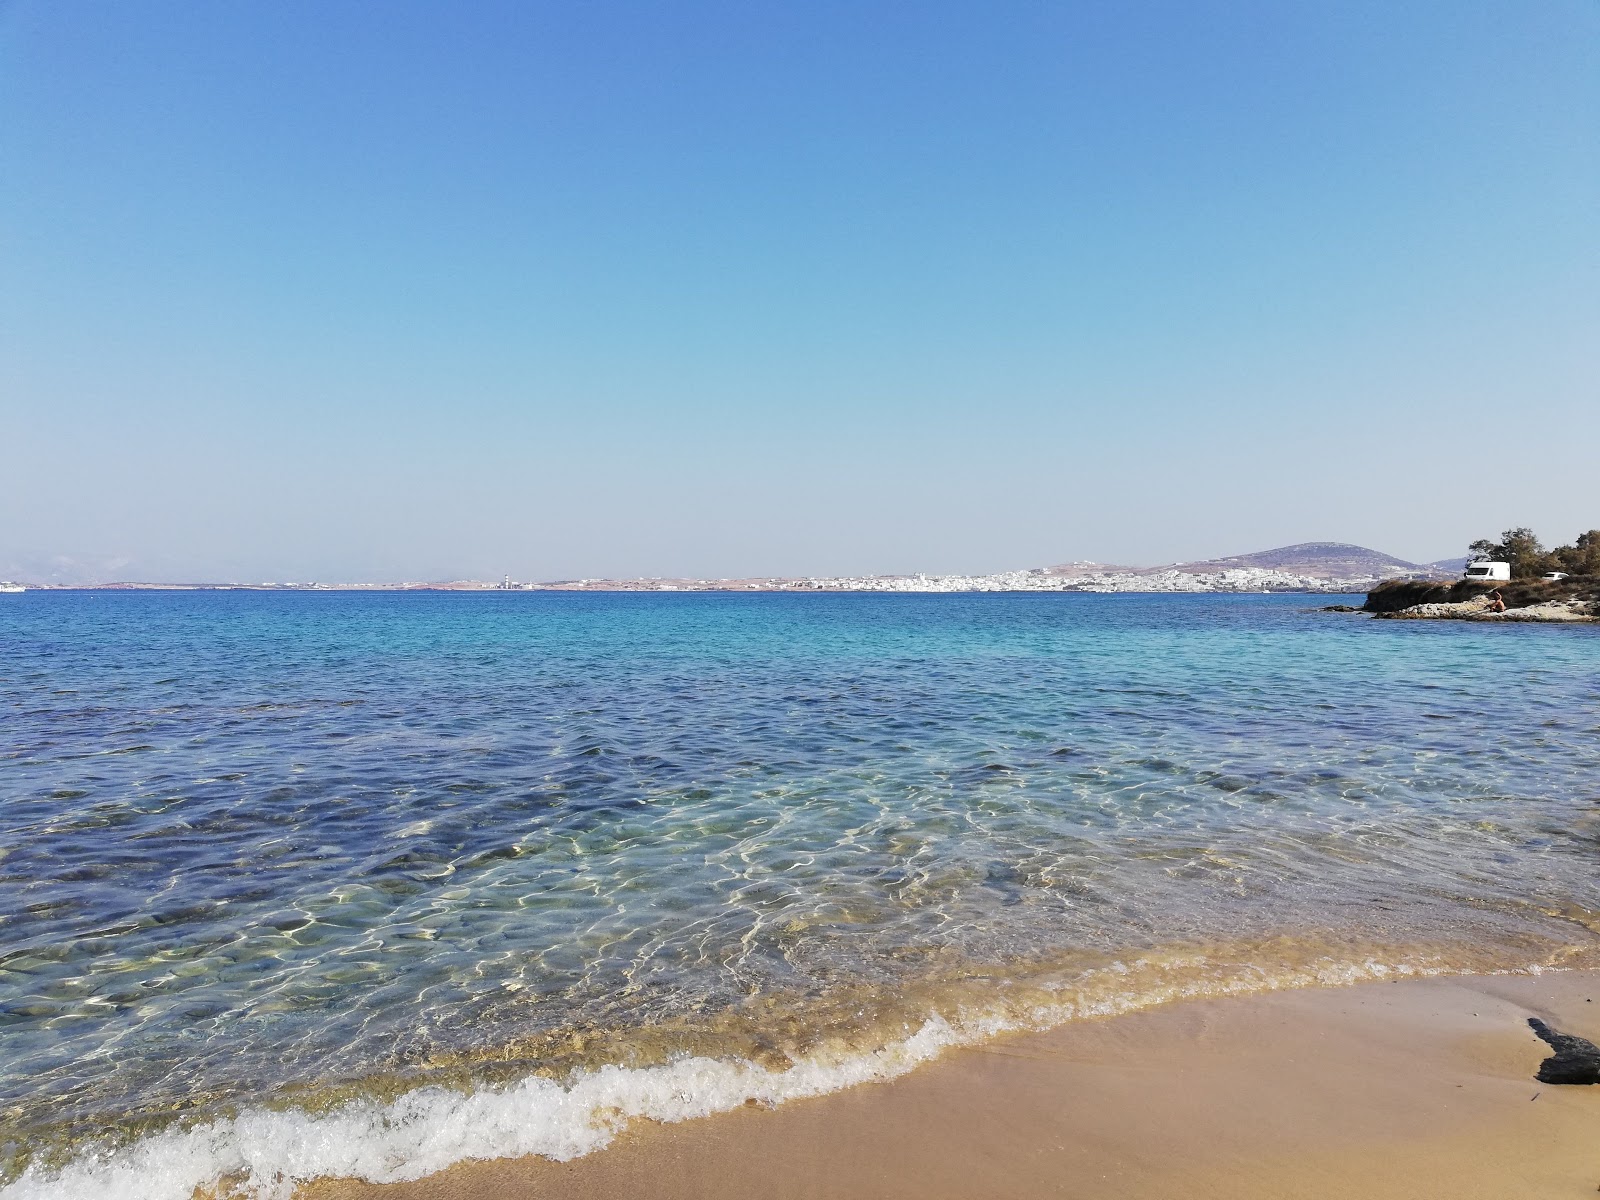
(1310,560)
(1318,560)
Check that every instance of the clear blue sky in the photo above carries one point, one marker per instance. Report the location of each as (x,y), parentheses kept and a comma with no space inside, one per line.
(300,289)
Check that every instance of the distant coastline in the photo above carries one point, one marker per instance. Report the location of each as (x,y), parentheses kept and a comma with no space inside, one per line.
(1309,567)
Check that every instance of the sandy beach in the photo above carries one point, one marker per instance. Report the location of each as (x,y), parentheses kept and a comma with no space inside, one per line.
(1410,1089)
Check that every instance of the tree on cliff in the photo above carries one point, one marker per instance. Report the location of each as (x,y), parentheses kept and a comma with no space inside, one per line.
(1529,559)
(1520,547)
(1581,558)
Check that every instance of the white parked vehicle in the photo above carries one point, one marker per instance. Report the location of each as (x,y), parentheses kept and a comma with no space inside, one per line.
(1554,575)
(1487,569)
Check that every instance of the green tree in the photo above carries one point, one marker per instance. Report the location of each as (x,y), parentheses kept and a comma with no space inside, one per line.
(1520,547)
(1529,559)
(1527,556)
(1581,558)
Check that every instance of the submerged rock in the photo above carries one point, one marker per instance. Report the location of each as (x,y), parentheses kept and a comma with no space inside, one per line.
(1576,1059)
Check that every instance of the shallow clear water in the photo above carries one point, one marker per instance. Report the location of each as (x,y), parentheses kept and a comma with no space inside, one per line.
(326,848)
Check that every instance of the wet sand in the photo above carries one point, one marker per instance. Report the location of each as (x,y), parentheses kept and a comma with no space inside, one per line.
(1386,1091)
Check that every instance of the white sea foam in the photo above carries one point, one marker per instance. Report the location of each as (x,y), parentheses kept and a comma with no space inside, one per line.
(270,1152)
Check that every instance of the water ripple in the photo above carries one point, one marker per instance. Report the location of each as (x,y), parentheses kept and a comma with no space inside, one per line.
(250,842)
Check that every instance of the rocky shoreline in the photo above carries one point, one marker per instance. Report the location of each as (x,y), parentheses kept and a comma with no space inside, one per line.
(1574,599)
(1479,609)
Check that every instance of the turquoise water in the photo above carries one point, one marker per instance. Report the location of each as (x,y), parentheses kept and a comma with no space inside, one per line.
(308,850)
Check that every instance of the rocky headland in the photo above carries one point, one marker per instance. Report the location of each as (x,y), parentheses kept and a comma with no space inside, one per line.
(1575,599)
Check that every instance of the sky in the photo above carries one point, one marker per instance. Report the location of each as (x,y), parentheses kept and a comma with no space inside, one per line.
(317,289)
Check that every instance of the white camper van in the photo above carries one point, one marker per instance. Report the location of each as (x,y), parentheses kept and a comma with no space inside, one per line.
(1486,569)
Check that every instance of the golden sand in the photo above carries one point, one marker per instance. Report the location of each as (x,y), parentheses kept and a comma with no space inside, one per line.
(1417,1089)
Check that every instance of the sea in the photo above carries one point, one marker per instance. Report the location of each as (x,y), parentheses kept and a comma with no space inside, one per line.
(306,884)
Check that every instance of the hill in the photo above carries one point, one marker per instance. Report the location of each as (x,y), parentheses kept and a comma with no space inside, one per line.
(1317,560)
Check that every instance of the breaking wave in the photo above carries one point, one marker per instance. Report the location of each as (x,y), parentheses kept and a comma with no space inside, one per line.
(267,1153)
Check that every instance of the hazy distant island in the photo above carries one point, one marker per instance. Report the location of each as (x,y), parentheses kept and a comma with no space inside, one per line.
(1562,584)
(1323,567)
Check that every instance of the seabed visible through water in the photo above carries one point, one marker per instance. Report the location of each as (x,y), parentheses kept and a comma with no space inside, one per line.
(420,875)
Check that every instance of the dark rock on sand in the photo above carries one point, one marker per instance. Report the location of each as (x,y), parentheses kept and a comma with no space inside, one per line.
(1576,1060)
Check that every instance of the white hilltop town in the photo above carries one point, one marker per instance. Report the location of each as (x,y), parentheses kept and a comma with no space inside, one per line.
(1307,567)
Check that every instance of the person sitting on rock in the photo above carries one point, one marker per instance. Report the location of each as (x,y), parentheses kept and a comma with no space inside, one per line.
(1496,601)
